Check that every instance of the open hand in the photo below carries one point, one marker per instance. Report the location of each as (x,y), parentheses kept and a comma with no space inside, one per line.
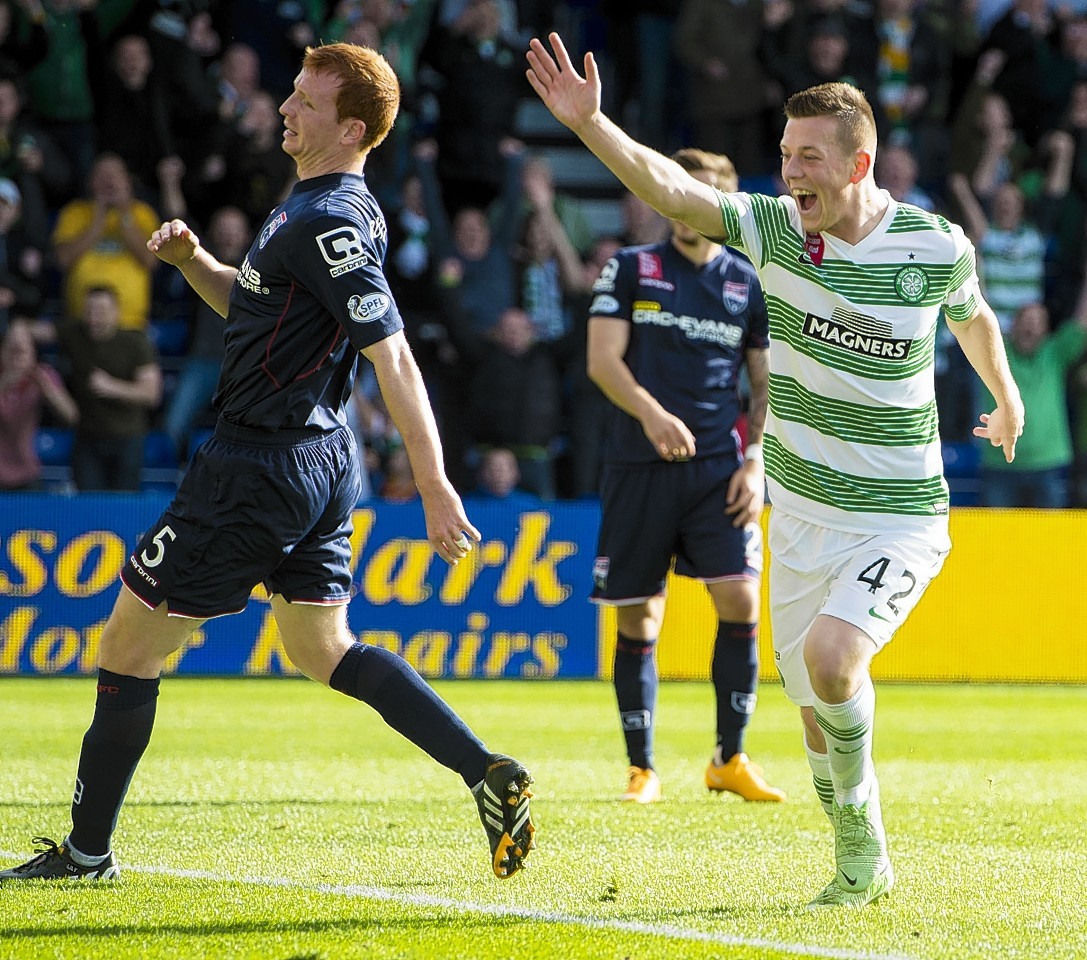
(573,99)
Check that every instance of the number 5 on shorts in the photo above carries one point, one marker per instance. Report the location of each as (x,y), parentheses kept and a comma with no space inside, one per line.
(160,547)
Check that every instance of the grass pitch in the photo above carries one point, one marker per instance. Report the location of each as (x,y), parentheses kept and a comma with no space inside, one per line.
(275,820)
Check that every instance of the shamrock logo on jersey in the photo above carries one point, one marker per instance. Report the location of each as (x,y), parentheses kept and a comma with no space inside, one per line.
(911,284)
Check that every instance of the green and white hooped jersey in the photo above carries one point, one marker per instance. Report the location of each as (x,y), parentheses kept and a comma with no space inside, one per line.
(852,438)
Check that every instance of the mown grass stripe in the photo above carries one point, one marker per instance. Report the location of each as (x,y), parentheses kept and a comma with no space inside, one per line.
(665,930)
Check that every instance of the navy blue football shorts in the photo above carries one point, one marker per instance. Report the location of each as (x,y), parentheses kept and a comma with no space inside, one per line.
(250,511)
(653,513)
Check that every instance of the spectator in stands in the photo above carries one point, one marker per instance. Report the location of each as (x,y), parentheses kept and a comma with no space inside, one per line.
(570,212)
(1065,66)
(133,115)
(911,71)
(279,32)
(498,479)
(649,89)
(398,485)
(985,146)
(589,408)
(60,85)
(229,236)
(116,381)
(551,271)
(719,43)
(515,398)
(259,174)
(183,39)
(102,240)
(20,260)
(410,270)
(398,31)
(1040,361)
(239,81)
(483,80)
(1021,34)
(896,172)
(23,40)
(1011,247)
(27,387)
(1078,477)
(1070,236)
(789,30)
(830,53)
(509,18)
(474,263)
(29,157)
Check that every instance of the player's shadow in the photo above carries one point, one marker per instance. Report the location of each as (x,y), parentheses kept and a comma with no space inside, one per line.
(340,925)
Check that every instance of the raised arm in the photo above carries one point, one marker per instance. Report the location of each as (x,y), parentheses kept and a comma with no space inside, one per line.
(176,244)
(975,221)
(575,102)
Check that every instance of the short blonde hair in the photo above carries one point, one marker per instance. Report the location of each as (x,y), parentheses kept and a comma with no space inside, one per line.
(369,90)
(848,105)
(693,160)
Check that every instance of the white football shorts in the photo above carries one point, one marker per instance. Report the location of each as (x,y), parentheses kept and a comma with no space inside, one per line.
(872,581)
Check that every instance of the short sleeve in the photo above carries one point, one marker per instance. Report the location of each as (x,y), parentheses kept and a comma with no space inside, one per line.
(73,219)
(740,213)
(758,324)
(612,290)
(963,287)
(341,265)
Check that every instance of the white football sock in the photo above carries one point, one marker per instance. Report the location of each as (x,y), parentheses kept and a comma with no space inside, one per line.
(847,729)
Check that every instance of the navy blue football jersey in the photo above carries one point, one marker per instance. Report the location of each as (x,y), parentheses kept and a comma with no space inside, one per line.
(309,295)
(690,326)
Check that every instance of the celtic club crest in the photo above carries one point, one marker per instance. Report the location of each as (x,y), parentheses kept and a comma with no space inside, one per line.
(911,284)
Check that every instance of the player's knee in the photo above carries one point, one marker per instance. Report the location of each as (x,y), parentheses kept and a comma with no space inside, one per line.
(641,621)
(136,642)
(830,669)
(739,603)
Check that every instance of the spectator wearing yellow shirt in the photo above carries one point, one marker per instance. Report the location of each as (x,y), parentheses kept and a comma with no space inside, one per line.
(102,241)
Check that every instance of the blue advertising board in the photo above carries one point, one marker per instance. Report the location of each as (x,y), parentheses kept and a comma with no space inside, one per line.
(517,607)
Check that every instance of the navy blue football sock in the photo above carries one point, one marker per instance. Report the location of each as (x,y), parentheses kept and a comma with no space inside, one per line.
(120,730)
(636,692)
(409,705)
(735,673)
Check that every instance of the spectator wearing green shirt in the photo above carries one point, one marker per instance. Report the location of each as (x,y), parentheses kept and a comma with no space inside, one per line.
(1040,362)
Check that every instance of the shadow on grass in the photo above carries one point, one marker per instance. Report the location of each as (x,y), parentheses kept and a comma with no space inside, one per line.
(343,925)
(375,804)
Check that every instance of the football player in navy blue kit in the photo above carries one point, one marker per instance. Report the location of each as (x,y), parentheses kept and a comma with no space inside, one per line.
(670,327)
(269,498)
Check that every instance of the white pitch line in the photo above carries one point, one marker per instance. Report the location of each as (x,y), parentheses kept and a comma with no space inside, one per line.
(666,930)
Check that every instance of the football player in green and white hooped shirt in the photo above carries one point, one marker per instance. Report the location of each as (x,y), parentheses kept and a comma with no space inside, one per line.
(855,283)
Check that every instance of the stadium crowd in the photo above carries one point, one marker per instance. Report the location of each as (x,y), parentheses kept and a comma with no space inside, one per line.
(116,115)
